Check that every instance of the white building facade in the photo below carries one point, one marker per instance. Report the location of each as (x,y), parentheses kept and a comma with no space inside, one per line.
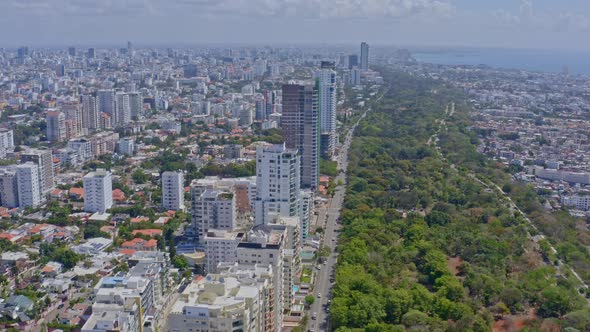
(6,142)
(212,208)
(8,187)
(173,190)
(326,77)
(29,192)
(277,183)
(220,247)
(98,191)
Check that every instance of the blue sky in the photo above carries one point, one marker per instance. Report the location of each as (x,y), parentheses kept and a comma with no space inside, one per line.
(495,23)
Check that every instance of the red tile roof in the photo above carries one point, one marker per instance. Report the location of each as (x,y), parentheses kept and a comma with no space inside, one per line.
(140,244)
(118,195)
(140,219)
(148,232)
(77,192)
(6,236)
(38,228)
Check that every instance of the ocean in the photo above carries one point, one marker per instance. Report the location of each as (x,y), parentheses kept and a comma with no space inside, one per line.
(577,62)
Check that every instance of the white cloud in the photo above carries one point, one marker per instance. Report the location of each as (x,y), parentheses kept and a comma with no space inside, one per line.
(241,8)
(505,18)
(531,18)
(77,7)
(569,21)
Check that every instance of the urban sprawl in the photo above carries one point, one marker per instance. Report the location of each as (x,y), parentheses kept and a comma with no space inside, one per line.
(200,189)
(173,189)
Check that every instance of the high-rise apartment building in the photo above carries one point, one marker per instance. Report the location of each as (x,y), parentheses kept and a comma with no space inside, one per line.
(213,207)
(107,103)
(301,128)
(135,104)
(364,56)
(260,104)
(264,245)
(305,213)
(105,121)
(72,51)
(98,191)
(353,61)
(289,227)
(343,62)
(173,190)
(326,77)
(60,70)
(44,161)
(6,142)
(123,110)
(27,176)
(73,114)
(8,187)
(22,52)
(56,126)
(90,113)
(270,97)
(355,77)
(246,117)
(277,183)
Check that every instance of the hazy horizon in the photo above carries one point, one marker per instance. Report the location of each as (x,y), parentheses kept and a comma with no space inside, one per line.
(521,24)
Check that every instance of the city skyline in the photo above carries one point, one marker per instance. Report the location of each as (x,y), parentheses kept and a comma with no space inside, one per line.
(454,23)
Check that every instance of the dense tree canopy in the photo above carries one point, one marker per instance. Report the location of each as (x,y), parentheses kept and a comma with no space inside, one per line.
(424,245)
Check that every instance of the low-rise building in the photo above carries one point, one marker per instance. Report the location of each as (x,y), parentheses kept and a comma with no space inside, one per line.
(108,317)
(93,246)
(140,244)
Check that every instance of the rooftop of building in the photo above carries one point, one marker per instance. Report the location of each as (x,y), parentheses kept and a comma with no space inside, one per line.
(215,292)
(263,236)
(219,234)
(98,173)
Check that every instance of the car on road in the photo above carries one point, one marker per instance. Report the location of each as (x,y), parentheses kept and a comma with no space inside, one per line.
(319,295)
(61,305)
(314,316)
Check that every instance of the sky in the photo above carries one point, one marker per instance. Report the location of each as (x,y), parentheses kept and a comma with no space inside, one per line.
(546,24)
